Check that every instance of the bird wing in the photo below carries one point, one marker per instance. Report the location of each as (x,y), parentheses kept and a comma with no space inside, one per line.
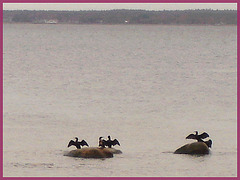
(114,142)
(83,142)
(105,143)
(70,143)
(191,136)
(204,135)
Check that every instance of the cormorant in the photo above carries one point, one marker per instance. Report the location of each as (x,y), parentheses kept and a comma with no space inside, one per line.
(111,143)
(208,143)
(102,142)
(198,137)
(77,143)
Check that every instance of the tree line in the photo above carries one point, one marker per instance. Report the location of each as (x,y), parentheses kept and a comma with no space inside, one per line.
(203,16)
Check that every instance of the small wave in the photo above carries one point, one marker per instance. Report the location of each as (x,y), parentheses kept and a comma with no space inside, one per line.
(168,152)
(224,153)
(34,165)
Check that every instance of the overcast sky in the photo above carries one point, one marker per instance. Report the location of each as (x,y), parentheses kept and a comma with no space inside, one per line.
(106,6)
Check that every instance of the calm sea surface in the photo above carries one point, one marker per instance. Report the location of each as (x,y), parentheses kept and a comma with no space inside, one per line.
(149,86)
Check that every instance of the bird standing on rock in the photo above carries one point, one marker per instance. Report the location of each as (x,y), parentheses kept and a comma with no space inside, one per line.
(111,143)
(101,142)
(198,137)
(77,143)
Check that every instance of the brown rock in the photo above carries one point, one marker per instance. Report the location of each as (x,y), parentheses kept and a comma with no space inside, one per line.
(90,152)
(193,148)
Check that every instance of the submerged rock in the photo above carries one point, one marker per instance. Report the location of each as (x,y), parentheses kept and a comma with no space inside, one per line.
(90,152)
(193,148)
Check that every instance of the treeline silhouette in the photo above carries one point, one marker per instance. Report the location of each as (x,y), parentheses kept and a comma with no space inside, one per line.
(203,16)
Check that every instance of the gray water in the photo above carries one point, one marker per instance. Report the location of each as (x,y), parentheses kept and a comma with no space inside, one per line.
(149,86)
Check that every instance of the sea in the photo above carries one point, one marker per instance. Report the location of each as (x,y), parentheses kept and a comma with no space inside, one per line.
(148,86)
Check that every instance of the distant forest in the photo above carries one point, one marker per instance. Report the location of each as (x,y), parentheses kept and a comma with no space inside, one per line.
(188,17)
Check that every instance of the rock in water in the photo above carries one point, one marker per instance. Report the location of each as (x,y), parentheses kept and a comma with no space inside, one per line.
(193,148)
(90,152)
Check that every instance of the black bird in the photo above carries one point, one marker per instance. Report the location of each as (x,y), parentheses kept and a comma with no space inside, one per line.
(77,143)
(198,137)
(208,143)
(109,142)
(102,142)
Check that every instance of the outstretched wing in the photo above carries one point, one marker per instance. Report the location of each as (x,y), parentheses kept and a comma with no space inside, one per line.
(105,143)
(204,135)
(83,142)
(114,142)
(191,136)
(70,143)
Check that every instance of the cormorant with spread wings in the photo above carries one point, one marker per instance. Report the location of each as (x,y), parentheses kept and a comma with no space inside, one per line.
(77,143)
(198,137)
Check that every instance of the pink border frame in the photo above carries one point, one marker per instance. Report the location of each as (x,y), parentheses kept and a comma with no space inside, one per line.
(118,1)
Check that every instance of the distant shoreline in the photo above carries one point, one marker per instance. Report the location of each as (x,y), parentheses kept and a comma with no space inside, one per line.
(121,24)
(133,17)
